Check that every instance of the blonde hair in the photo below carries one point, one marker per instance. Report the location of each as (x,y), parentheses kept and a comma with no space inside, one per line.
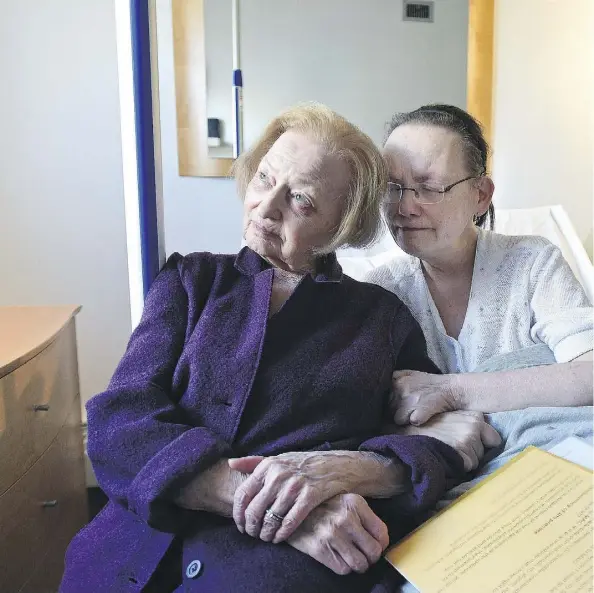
(361,222)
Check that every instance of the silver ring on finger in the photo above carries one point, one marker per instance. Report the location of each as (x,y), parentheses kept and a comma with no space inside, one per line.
(275,517)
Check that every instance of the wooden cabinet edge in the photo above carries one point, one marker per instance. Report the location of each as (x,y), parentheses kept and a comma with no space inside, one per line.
(69,312)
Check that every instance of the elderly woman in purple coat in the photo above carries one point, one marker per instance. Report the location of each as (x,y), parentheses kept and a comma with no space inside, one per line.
(240,439)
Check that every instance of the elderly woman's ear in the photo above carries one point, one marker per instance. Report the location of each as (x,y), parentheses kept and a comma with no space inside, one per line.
(485,189)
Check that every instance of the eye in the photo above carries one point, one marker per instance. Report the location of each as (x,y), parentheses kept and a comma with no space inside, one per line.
(262,180)
(302,200)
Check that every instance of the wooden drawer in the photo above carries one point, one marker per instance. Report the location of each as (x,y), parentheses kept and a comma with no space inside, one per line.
(33,537)
(49,379)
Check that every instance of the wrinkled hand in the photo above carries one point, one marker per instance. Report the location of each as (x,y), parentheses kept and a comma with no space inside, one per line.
(416,397)
(291,485)
(467,432)
(343,534)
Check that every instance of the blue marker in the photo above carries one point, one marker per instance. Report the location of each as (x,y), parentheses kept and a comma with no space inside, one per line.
(237,113)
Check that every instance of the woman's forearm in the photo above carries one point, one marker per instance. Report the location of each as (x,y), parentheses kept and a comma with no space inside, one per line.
(212,491)
(375,476)
(565,384)
(363,473)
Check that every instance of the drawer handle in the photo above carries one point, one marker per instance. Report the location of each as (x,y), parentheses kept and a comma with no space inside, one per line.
(41,408)
(48,504)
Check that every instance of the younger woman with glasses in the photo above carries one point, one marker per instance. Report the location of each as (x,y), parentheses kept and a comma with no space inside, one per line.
(476,294)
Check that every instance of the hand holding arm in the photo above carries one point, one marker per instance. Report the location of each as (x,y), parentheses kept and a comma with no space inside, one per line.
(417,397)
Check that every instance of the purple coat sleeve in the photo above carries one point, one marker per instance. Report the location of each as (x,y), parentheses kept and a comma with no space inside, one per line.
(432,467)
(142,447)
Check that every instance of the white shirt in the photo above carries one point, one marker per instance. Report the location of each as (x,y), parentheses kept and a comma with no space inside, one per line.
(523,293)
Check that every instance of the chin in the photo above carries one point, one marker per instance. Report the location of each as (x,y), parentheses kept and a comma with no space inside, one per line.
(261,246)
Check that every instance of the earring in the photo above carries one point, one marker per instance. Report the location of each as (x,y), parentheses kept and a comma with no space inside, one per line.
(475,218)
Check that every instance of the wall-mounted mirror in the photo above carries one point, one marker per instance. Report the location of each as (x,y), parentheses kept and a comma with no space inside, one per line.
(223,95)
(366,59)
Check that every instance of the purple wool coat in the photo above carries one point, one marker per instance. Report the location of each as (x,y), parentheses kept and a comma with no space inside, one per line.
(206,376)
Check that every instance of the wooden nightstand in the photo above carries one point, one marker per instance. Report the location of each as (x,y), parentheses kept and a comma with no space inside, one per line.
(42,475)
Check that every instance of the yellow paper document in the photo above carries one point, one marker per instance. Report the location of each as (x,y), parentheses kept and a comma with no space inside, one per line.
(525,529)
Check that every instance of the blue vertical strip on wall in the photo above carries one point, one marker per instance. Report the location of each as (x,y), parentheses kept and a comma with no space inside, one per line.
(145,142)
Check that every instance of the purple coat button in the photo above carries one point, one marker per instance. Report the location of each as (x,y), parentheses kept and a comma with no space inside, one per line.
(193,569)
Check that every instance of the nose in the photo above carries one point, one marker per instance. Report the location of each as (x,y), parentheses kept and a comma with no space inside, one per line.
(409,206)
(271,203)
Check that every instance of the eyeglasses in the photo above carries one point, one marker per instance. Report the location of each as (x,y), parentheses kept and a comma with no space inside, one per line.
(424,194)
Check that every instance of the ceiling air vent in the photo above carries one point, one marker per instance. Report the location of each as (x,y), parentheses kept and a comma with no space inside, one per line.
(418,11)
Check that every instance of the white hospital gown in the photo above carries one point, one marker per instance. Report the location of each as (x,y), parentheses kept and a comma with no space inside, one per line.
(523,293)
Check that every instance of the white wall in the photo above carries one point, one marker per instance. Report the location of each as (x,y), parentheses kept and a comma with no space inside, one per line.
(360,58)
(357,56)
(62,228)
(543,107)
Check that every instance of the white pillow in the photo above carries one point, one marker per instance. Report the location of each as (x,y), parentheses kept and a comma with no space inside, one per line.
(357,262)
(358,267)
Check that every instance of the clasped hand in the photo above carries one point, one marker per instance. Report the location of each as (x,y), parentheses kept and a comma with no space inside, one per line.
(320,516)
(430,405)
(290,486)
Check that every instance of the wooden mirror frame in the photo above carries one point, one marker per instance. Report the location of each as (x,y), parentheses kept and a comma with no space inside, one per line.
(479,78)
(190,82)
